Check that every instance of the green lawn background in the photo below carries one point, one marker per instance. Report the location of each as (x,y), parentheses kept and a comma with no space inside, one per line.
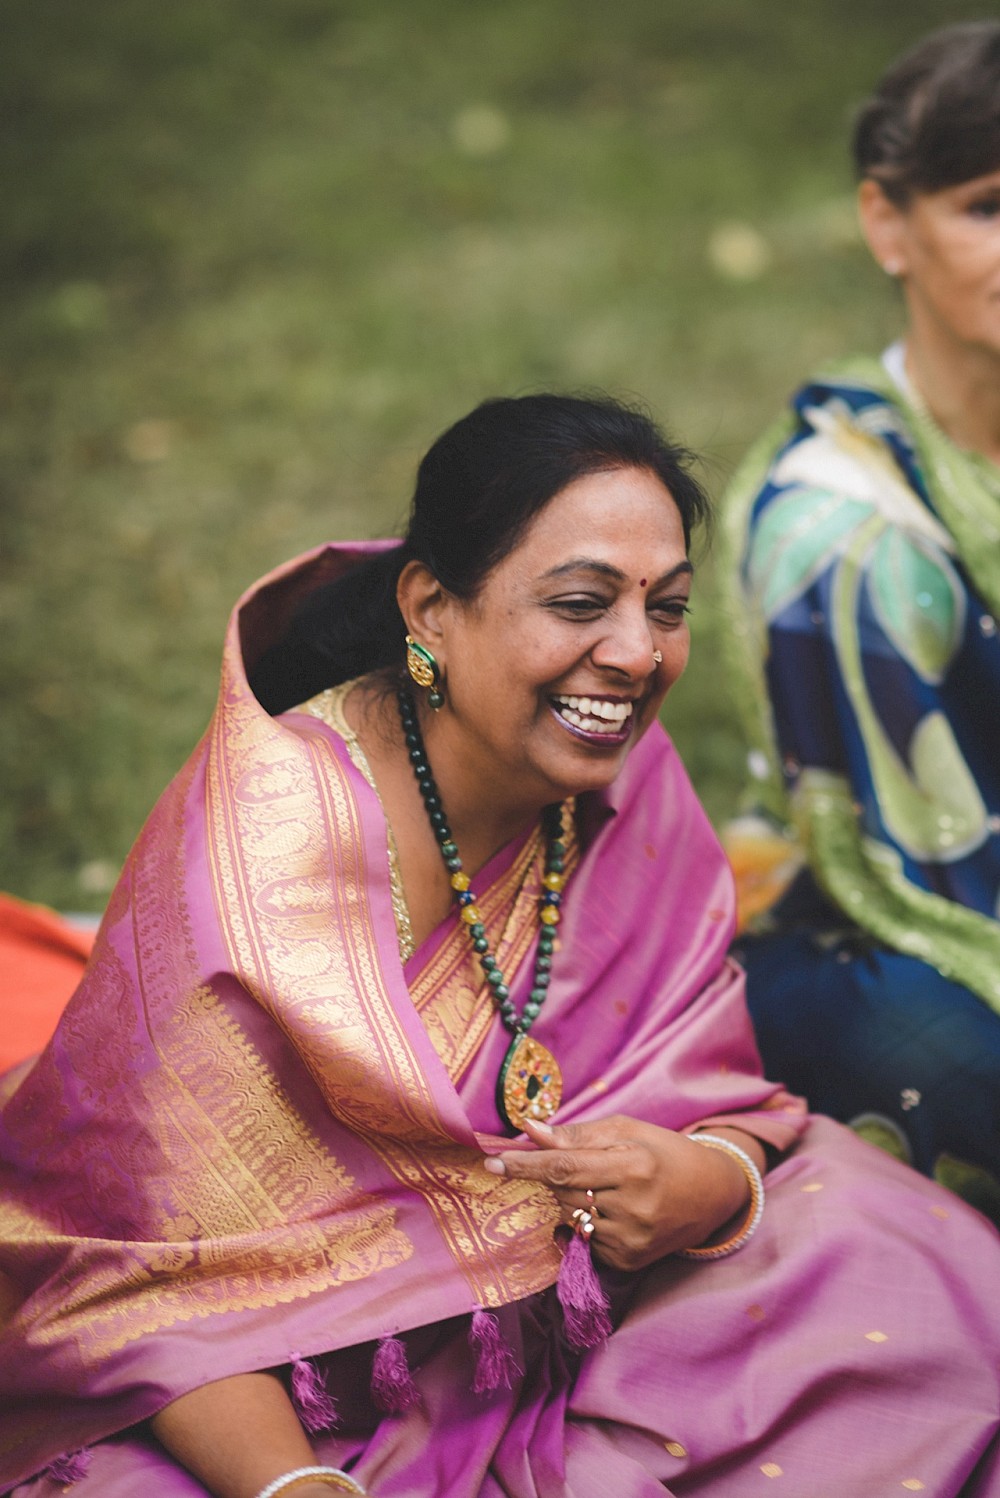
(256,255)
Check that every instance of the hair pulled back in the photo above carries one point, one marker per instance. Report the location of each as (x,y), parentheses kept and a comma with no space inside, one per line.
(487,477)
(478,489)
(934,118)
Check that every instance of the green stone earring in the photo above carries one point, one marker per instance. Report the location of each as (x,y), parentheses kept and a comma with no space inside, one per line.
(425,671)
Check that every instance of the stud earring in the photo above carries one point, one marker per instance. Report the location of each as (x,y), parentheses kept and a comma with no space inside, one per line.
(425,671)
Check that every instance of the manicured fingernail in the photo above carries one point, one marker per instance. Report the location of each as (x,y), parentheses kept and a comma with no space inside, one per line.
(543,1128)
(494,1165)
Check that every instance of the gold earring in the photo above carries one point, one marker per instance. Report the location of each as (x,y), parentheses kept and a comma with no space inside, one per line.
(425,671)
(658,657)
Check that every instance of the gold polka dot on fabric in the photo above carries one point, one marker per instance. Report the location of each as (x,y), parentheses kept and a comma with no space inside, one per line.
(649,850)
(914,1484)
(771,1469)
(600,1085)
(876,1337)
(813,1186)
(756,1312)
(941,1212)
(674,1448)
(716,915)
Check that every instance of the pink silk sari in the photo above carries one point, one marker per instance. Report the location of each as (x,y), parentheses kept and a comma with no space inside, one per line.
(255,1136)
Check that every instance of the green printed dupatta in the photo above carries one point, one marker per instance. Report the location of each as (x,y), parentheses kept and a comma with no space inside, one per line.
(867,552)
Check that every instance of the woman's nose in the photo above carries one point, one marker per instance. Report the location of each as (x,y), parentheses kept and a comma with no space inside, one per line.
(627,646)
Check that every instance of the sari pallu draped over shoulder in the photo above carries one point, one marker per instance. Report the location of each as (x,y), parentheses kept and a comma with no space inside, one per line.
(241,1141)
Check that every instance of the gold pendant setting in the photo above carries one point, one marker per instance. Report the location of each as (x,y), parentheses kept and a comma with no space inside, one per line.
(530,1084)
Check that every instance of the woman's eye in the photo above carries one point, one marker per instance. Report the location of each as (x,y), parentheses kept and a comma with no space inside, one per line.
(988,207)
(579,606)
(671,612)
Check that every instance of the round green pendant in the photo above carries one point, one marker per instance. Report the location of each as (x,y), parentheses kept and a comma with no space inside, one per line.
(530,1083)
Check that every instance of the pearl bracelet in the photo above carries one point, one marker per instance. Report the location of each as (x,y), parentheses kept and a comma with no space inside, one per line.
(332,1476)
(745,1232)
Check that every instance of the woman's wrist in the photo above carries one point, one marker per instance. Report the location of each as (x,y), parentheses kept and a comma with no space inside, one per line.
(238,1435)
(748,1143)
(314,1481)
(745,1188)
(309,1490)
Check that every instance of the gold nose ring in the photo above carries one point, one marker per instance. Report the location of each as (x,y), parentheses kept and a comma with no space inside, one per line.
(658,657)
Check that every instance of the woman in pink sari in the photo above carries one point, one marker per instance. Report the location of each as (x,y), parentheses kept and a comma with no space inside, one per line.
(406,1133)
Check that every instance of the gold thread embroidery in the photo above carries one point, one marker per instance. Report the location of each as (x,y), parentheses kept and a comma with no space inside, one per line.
(232,1201)
(328,706)
(323,981)
(456,1007)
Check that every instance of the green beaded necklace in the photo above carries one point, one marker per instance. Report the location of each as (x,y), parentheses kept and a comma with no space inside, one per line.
(529,1085)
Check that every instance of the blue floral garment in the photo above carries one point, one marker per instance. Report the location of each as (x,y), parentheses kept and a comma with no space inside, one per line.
(865,614)
(883,665)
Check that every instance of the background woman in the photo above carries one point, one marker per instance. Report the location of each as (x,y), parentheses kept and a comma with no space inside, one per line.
(869,525)
(269,1156)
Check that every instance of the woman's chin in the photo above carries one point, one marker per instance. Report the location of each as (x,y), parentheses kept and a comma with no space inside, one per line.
(585,761)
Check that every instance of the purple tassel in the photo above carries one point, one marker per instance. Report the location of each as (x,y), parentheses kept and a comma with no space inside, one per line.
(313,1404)
(585,1305)
(70,1467)
(496,1365)
(393,1389)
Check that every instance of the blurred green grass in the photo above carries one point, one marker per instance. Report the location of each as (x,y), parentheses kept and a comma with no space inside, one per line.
(257,255)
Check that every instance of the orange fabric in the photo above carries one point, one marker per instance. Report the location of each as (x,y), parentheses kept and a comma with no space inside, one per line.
(764,861)
(42,958)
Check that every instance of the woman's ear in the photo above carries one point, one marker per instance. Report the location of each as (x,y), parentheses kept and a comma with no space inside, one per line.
(884,225)
(422,602)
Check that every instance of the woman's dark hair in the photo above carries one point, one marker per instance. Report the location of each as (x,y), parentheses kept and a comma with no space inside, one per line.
(478,489)
(934,118)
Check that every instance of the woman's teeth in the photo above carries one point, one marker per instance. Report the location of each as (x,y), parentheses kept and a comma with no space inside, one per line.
(594,714)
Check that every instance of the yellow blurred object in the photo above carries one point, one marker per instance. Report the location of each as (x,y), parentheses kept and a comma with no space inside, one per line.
(764,860)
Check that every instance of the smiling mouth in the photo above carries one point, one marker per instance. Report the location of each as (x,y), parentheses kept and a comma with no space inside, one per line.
(597,715)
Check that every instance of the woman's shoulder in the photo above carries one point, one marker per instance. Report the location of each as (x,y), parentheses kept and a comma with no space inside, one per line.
(843,452)
(328,707)
(852,409)
(334,708)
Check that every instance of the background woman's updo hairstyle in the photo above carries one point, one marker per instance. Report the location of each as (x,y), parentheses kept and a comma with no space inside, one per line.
(478,489)
(934,119)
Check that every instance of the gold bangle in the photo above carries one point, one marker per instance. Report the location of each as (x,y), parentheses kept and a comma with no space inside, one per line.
(755,1211)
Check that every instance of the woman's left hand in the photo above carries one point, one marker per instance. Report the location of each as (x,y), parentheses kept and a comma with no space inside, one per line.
(651,1191)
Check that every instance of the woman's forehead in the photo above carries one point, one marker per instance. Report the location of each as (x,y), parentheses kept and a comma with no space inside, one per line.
(606,519)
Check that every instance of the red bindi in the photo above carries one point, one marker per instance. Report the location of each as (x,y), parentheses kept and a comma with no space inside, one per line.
(642,582)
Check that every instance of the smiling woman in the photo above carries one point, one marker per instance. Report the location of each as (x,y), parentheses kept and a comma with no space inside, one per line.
(578,681)
(283,1208)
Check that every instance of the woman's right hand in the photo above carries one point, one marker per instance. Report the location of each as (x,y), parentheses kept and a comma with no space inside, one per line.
(654,1190)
